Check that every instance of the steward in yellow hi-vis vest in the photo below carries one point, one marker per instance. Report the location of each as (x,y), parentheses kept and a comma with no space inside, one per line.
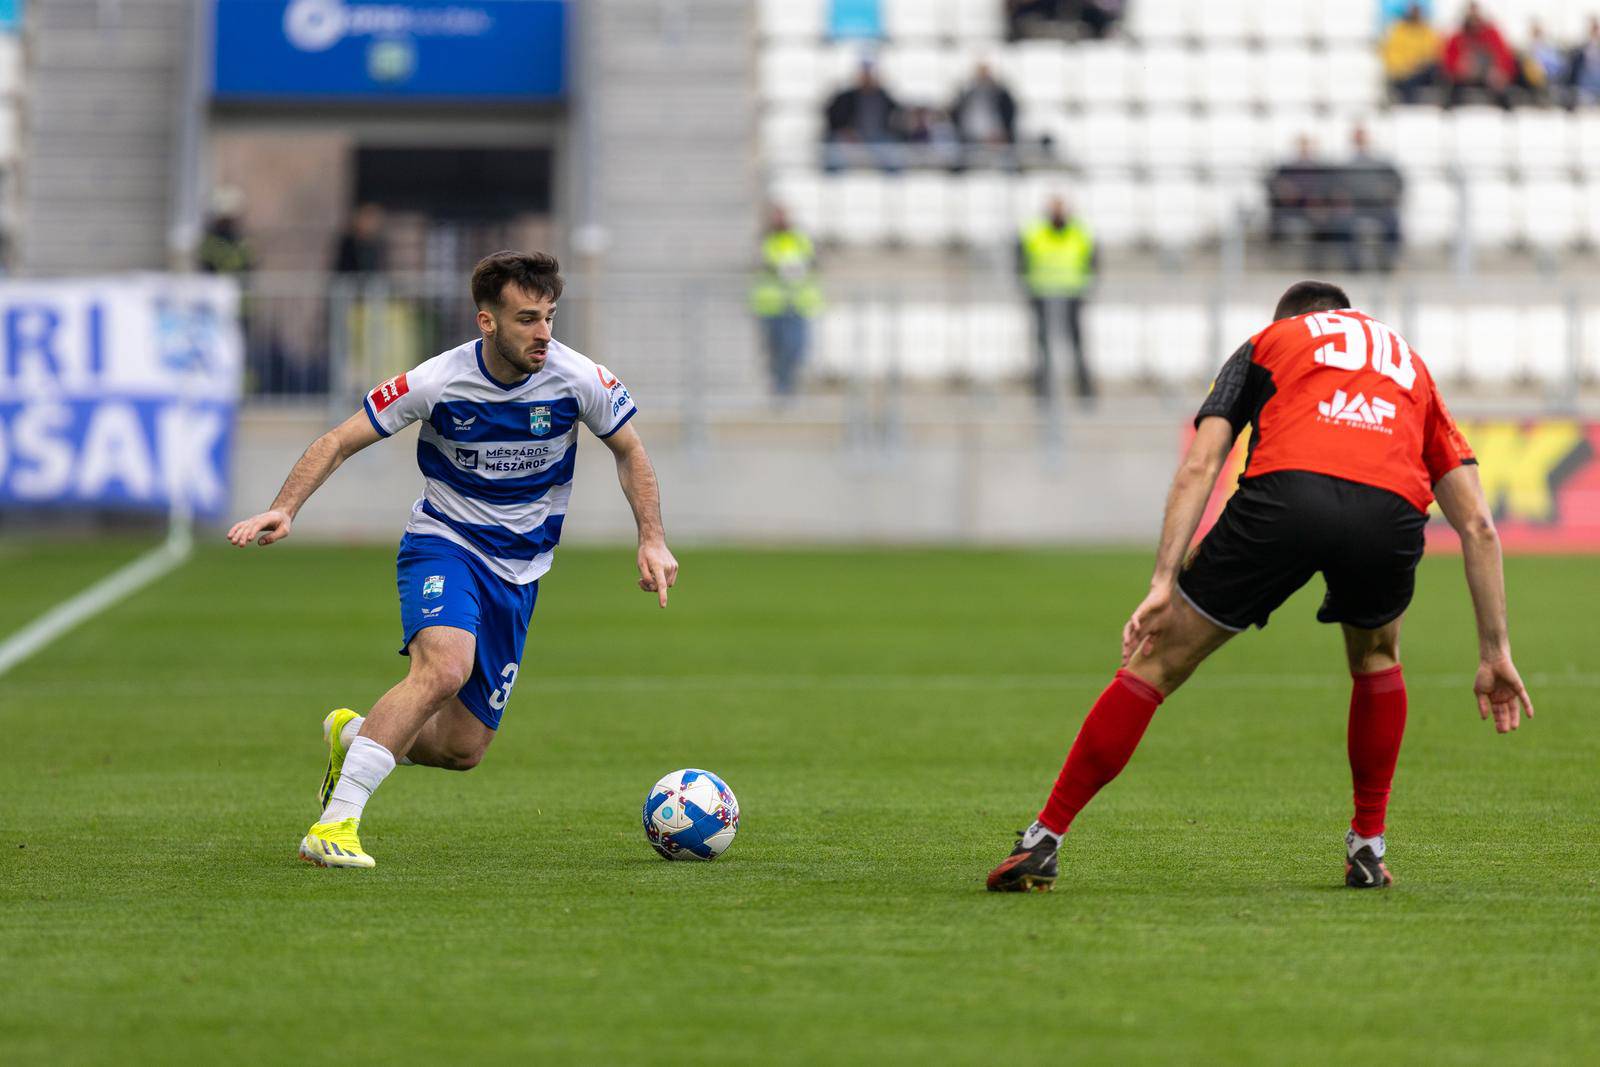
(1056,260)
(785,297)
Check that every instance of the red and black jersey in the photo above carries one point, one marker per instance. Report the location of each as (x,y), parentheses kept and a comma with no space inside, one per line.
(1339,393)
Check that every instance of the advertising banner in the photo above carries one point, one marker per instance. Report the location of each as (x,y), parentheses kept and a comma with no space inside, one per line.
(119,392)
(1541,476)
(403,50)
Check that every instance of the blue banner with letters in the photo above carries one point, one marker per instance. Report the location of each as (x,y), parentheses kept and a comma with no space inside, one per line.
(119,392)
(374,50)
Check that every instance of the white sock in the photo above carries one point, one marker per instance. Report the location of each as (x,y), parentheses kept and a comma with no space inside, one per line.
(1354,843)
(352,730)
(1036,833)
(366,765)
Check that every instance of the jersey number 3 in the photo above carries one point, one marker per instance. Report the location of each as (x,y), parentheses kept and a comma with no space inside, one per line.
(1349,349)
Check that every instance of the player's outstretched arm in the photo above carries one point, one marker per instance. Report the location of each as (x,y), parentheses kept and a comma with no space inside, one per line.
(1186,503)
(658,570)
(1498,686)
(309,472)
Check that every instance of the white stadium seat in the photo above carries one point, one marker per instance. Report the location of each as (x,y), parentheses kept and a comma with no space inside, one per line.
(920,340)
(1350,78)
(922,209)
(983,209)
(792,74)
(1039,72)
(1542,141)
(1492,213)
(1112,211)
(1589,213)
(1233,140)
(1437,334)
(1334,23)
(977,20)
(1175,341)
(1586,140)
(1281,21)
(1419,135)
(1036,122)
(793,20)
(1177,221)
(1229,77)
(1288,76)
(859,204)
(1165,75)
(1113,335)
(1549,215)
(919,74)
(1170,139)
(1033,192)
(1161,20)
(1222,20)
(1101,73)
(1479,139)
(1543,345)
(996,337)
(1106,140)
(1430,212)
(800,193)
(912,20)
(1490,338)
(790,135)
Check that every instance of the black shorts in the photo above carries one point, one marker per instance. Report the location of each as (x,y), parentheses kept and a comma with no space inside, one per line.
(1281,528)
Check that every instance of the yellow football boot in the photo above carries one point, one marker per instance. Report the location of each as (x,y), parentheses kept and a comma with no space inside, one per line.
(332,726)
(335,844)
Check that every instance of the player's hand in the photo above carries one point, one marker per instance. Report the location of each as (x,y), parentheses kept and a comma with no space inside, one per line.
(1147,622)
(265,528)
(658,570)
(1501,693)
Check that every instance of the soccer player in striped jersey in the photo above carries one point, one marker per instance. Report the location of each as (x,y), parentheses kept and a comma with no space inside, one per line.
(1350,444)
(498,439)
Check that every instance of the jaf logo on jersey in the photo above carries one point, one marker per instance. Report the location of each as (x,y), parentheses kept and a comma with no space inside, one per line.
(389,392)
(539,419)
(1357,411)
(433,587)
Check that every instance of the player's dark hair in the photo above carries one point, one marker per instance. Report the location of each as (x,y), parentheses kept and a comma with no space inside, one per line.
(1305,297)
(536,272)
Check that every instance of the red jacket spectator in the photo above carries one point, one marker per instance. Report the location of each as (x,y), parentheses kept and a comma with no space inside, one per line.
(1476,54)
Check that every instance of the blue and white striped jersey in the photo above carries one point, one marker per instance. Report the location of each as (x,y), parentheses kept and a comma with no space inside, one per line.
(498,458)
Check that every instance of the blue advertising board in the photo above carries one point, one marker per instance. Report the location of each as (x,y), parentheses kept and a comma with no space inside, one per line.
(489,50)
(119,392)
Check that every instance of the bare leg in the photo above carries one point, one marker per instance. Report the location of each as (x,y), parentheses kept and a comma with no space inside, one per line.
(453,738)
(1372,650)
(1186,639)
(441,662)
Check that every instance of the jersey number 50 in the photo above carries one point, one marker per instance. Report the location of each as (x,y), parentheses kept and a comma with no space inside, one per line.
(1350,350)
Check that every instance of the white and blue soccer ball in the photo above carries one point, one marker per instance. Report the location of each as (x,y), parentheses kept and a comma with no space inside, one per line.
(691,815)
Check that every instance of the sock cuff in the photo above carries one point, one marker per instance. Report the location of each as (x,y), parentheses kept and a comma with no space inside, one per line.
(1384,681)
(370,749)
(1139,687)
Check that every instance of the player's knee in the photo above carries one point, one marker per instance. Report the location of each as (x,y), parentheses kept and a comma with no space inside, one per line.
(461,759)
(441,677)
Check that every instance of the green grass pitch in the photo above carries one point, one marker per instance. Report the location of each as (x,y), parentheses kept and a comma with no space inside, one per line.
(887,720)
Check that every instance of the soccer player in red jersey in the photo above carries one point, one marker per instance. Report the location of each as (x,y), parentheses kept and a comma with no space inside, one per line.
(1350,442)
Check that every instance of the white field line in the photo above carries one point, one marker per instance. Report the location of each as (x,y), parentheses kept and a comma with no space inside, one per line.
(1332,681)
(93,600)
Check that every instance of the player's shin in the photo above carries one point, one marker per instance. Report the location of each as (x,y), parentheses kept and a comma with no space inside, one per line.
(1103,747)
(1377,725)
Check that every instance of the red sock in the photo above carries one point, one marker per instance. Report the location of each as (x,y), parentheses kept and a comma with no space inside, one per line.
(1377,723)
(1109,735)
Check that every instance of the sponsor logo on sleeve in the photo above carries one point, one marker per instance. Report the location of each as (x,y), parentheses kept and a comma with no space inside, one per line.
(389,392)
(608,381)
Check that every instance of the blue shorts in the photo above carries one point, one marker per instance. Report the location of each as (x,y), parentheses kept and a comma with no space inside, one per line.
(443,584)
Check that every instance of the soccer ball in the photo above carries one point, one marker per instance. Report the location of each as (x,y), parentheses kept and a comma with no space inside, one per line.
(690,815)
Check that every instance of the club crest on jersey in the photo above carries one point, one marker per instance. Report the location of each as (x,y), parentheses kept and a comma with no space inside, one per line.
(1357,410)
(433,587)
(539,419)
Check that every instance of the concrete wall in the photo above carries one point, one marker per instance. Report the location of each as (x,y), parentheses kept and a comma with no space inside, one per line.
(785,483)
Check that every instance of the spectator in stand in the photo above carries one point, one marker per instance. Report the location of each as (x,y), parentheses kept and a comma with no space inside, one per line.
(223,249)
(933,139)
(1583,68)
(1548,58)
(1057,258)
(1478,60)
(361,248)
(865,124)
(1410,53)
(985,114)
(1372,186)
(785,297)
(1062,18)
(1390,11)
